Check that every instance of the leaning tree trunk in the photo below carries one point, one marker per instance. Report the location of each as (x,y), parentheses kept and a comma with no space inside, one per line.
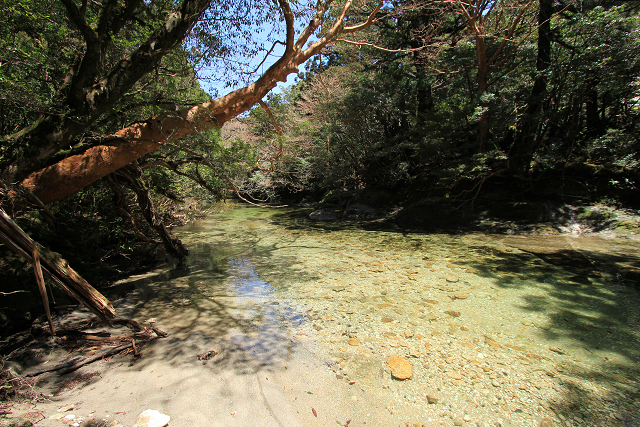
(594,124)
(85,94)
(115,151)
(527,141)
(55,268)
(136,181)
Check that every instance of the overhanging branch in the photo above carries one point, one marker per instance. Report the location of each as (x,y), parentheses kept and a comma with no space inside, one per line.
(383,49)
(138,139)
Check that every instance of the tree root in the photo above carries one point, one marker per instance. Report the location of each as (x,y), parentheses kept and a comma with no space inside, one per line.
(141,335)
(13,385)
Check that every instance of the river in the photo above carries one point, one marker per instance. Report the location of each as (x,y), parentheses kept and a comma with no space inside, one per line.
(498,329)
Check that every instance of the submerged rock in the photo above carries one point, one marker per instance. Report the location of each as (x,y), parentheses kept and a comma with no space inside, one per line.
(400,367)
(362,211)
(326,214)
(15,422)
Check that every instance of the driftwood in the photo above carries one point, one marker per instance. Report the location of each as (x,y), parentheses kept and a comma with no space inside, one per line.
(55,268)
(79,362)
(37,269)
(141,334)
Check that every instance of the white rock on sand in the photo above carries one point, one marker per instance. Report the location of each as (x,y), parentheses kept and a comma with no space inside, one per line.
(152,418)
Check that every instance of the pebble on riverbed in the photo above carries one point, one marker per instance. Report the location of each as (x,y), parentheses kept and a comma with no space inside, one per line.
(400,367)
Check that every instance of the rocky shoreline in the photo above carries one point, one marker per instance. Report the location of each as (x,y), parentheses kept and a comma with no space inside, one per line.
(464,372)
(499,217)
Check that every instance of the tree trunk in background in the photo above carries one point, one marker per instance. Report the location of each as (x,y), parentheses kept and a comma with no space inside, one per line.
(140,186)
(424,95)
(526,140)
(478,17)
(594,124)
(483,85)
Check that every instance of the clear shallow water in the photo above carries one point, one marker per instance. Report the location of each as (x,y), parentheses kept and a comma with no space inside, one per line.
(507,328)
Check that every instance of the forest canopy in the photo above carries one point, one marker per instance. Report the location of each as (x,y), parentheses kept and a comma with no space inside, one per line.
(109,53)
(448,97)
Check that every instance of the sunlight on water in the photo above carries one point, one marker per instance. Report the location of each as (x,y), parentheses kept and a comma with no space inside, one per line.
(552,319)
(266,318)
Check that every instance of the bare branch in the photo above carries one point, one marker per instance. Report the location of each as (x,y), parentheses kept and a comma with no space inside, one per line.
(370,20)
(273,46)
(37,269)
(508,37)
(278,155)
(4,294)
(375,46)
(273,120)
(285,8)
(314,24)
(174,167)
(337,26)
(78,19)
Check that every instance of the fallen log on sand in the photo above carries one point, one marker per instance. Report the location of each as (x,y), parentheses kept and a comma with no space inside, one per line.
(54,267)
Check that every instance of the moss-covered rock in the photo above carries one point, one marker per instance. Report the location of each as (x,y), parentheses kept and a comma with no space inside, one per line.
(627,227)
(336,197)
(326,214)
(595,216)
(545,229)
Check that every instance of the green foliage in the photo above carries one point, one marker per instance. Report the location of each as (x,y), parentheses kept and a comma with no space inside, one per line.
(35,48)
(596,65)
(409,121)
(41,49)
(406,122)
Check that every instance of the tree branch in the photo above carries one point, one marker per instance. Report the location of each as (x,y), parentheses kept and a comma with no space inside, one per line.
(508,37)
(383,49)
(52,133)
(141,138)
(370,20)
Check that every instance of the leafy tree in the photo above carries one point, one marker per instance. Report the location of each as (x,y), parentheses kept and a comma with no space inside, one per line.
(548,87)
(583,96)
(98,80)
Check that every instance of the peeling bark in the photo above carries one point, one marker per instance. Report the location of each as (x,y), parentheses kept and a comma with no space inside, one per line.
(75,172)
(88,96)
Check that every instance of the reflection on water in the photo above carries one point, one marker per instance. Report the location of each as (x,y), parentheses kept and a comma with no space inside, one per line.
(244,281)
(550,323)
(267,319)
